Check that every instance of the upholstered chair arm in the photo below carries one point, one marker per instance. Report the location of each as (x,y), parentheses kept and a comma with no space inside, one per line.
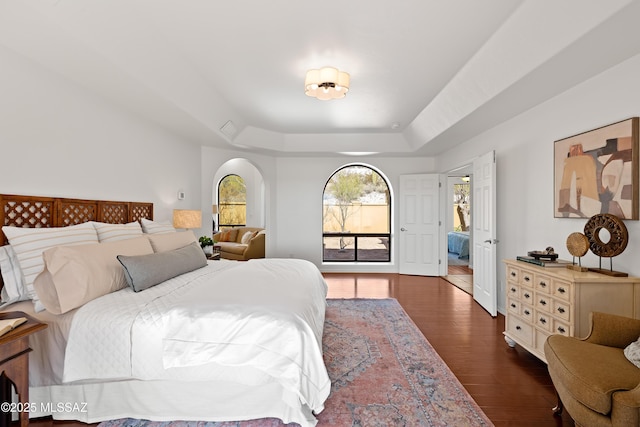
(216,236)
(255,248)
(612,330)
(626,408)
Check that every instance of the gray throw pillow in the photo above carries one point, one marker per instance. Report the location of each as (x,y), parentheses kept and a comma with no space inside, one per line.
(145,271)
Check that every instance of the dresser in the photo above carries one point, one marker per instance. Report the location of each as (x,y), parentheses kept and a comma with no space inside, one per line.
(551,300)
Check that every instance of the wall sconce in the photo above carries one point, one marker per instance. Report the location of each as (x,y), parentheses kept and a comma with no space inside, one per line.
(185,218)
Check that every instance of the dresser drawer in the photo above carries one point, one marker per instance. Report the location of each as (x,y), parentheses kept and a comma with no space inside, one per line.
(520,330)
(543,321)
(562,328)
(513,305)
(543,302)
(542,283)
(513,274)
(513,290)
(526,312)
(562,310)
(562,290)
(526,278)
(526,296)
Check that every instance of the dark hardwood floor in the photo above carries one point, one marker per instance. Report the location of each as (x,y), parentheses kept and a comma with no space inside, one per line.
(511,386)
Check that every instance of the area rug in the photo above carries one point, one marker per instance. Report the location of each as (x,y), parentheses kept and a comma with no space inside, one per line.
(383,373)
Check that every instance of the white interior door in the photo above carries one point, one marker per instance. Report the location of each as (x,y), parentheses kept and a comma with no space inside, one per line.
(419,224)
(483,204)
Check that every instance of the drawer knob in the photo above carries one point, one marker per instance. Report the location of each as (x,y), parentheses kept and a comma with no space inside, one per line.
(513,289)
(518,328)
(543,302)
(561,329)
(527,312)
(543,285)
(527,295)
(513,274)
(527,278)
(543,320)
(513,305)
(561,290)
(561,310)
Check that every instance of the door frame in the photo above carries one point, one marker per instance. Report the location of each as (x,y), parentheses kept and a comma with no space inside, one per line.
(466,169)
(467,166)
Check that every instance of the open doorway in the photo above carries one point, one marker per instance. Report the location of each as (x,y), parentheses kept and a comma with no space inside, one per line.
(459,230)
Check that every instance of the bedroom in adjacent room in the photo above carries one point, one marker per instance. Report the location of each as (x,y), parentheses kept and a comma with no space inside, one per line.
(459,270)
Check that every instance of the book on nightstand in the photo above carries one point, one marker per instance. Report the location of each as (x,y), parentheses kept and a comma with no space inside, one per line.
(7,325)
(544,262)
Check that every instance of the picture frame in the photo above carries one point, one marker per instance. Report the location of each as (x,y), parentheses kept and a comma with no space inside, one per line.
(596,172)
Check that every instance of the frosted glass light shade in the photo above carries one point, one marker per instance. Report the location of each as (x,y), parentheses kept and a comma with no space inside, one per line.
(326,83)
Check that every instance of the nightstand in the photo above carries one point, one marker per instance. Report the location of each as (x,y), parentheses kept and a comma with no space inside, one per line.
(216,253)
(14,363)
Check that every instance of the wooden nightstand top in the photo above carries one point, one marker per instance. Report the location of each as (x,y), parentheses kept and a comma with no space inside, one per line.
(31,326)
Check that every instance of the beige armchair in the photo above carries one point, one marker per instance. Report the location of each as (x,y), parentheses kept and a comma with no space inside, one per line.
(233,247)
(594,380)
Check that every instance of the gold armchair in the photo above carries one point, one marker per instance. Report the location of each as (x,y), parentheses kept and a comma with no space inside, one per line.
(594,380)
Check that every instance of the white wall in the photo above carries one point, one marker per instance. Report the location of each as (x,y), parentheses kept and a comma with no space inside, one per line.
(57,139)
(524,156)
(302,180)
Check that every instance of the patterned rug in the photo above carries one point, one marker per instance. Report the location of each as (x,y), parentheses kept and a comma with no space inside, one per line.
(383,373)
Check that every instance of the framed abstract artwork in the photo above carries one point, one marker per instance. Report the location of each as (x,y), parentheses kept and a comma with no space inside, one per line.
(596,172)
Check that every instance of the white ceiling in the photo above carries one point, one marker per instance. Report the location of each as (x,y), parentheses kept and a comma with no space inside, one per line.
(443,70)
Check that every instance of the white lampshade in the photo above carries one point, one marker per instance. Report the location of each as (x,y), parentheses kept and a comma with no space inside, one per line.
(185,218)
(326,83)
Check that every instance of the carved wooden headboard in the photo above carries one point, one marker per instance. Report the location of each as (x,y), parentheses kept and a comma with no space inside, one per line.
(44,212)
(41,212)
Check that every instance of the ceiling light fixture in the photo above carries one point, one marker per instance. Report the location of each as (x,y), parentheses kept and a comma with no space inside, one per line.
(326,83)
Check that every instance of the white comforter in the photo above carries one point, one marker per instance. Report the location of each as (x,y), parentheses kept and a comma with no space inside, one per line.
(251,322)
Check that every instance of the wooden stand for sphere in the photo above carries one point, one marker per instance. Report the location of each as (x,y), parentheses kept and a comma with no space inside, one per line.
(577,267)
(609,272)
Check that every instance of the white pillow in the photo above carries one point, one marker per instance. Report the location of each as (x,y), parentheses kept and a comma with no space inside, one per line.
(170,241)
(13,289)
(29,243)
(152,227)
(114,232)
(632,352)
(246,237)
(75,275)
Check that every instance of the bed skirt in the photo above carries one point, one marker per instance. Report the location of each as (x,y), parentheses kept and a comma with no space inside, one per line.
(171,400)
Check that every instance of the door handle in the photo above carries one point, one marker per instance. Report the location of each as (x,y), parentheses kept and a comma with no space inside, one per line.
(490,241)
(403,229)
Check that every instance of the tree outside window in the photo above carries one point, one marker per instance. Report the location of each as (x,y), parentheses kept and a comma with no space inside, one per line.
(356,201)
(232,202)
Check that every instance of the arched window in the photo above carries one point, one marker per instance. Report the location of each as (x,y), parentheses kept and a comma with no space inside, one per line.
(232,202)
(356,217)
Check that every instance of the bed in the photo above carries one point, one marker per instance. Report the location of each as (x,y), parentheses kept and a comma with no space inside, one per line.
(458,243)
(182,340)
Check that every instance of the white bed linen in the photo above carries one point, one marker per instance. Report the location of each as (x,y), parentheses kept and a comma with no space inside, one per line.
(46,361)
(257,324)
